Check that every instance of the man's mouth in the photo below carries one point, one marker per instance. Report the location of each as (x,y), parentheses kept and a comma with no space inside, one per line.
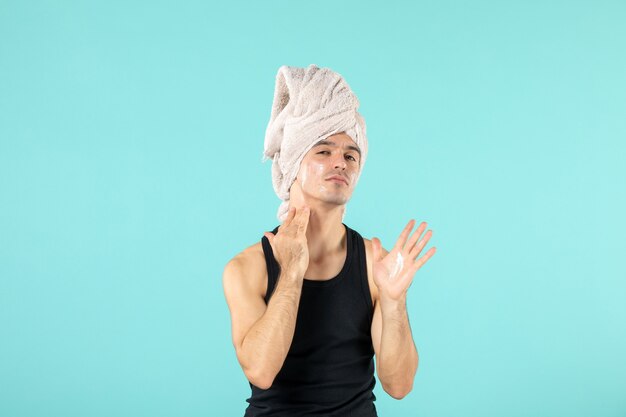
(337,178)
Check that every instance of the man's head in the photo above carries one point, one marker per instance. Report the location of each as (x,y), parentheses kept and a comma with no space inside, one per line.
(312,105)
(327,173)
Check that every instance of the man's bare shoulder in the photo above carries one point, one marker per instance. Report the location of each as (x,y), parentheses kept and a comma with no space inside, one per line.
(249,265)
(368,247)
(369,255)
(370,278)
(253,253)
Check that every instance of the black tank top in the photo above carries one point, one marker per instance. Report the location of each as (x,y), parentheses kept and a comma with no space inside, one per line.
(329,369)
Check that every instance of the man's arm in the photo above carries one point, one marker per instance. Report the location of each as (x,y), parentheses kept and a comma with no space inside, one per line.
(262,334)
(396,354)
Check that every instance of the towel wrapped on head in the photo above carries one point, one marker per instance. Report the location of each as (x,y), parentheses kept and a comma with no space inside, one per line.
(310,104)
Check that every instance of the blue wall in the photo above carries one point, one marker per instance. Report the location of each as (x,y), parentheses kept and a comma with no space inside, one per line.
(131,136)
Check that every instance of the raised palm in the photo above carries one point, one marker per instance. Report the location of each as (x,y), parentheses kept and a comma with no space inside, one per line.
(393,273)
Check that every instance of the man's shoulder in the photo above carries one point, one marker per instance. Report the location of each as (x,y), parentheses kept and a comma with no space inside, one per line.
(368,262)
(369,247)
(247,270)
(249,258)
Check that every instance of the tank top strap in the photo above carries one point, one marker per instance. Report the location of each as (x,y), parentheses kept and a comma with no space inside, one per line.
(360,259)
(273,268)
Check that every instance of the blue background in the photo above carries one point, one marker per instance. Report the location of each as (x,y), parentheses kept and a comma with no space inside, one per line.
(131,136)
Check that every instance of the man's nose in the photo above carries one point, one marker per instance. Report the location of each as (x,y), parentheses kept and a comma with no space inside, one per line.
(340,162)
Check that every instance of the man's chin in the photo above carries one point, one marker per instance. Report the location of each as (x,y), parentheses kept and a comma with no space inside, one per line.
(336,200)
(328,198)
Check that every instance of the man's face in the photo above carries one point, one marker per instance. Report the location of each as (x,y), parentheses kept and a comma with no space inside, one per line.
(336,156)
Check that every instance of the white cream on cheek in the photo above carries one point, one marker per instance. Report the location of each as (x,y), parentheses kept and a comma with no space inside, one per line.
(318,170)
(311,170)
(352,177)
(303,178)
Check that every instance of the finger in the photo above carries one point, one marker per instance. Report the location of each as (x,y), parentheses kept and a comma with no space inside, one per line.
(302,219)
(290,216)
(416,236)
(415,251)
(307,217)
(421,261)
(403,236)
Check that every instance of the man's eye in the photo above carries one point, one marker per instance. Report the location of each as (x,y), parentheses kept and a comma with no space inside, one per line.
(349,156)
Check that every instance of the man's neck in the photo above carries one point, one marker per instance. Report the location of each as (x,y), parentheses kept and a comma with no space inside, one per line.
(326,234)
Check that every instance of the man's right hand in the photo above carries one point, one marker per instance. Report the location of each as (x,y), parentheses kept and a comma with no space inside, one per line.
(289,244)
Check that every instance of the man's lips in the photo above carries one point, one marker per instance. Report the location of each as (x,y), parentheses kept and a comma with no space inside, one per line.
(337,177)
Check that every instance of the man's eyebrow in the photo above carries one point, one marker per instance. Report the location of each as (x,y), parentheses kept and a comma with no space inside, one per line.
(329,143)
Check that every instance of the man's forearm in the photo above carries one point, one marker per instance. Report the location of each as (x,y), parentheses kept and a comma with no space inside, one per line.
(398,359)
(268,341)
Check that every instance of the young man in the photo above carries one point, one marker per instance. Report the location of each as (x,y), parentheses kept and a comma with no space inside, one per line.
(314,301)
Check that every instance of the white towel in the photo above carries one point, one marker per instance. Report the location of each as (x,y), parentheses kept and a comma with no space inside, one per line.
(309,105)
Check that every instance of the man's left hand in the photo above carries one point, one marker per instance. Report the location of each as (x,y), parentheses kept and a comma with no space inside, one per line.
(393,273)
